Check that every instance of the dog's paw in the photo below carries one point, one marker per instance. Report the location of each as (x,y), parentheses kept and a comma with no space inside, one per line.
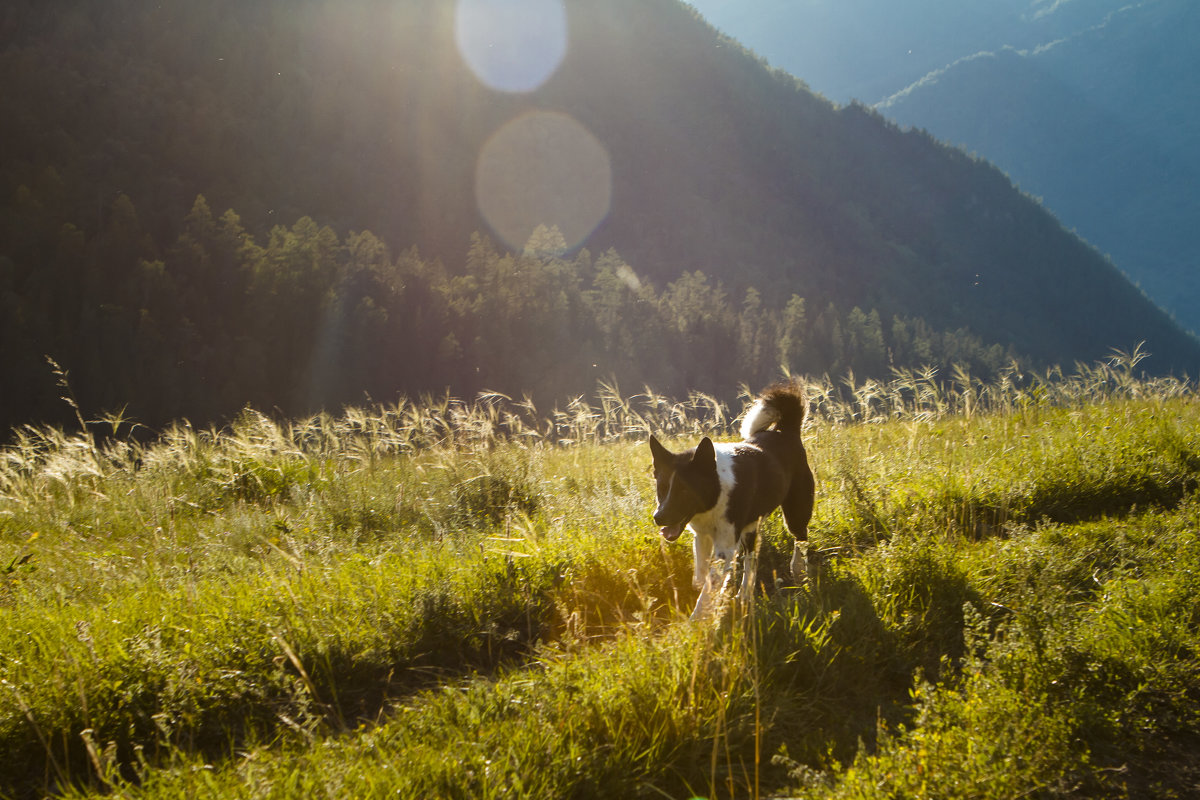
(800,563)
(806,563)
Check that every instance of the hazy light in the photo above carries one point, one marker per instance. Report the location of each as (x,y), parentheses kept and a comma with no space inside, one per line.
(543,168)
(511,45)
(627,276)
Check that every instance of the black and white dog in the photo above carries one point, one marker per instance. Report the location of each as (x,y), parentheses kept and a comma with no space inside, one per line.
(722,491)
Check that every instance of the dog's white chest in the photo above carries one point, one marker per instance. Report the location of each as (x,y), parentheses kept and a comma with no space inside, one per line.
(714,531)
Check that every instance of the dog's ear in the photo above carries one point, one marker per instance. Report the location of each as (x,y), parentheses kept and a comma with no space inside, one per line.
(660,453)
(705,452)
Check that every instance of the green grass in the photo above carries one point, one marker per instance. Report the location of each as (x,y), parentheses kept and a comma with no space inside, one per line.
(468,600)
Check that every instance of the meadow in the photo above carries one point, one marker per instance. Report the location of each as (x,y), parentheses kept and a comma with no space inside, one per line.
(446,598)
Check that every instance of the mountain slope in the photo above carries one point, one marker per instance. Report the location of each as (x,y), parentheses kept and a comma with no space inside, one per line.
(1101,125)
(867,50)
(654,136)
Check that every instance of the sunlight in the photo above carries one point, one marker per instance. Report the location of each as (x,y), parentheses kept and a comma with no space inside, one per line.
(543,168)
(511,45)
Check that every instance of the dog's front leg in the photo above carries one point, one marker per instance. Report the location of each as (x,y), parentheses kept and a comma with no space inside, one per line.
(705,598)
(717,581)
(702,547)
(749,570)
(717,554)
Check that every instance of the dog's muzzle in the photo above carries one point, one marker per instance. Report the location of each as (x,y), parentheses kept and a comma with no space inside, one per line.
(672,531)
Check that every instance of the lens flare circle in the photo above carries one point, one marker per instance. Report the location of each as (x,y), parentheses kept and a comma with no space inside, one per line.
(511,45)
(543,168)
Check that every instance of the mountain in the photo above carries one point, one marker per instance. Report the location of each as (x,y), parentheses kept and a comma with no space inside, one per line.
(1102,125)
(867,50)
(340,134)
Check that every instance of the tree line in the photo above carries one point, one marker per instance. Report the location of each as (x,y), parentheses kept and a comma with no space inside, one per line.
(303,319)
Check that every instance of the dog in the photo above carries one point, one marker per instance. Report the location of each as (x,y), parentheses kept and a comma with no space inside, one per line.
(722,491)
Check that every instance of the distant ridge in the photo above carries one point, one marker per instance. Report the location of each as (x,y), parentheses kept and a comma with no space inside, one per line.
(1102,125)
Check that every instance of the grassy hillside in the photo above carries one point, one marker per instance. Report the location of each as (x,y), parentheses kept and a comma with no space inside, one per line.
(467,600)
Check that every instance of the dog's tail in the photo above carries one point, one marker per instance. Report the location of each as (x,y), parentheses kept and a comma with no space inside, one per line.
(783,405)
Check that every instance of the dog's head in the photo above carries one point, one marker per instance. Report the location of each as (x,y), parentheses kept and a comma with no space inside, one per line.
(687,484)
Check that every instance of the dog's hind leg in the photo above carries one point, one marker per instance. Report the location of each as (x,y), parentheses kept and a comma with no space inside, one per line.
(797,512)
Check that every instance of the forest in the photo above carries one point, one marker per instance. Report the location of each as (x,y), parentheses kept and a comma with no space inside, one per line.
(304,319)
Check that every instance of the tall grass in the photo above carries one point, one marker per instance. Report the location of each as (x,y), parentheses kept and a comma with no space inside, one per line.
(449,598)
